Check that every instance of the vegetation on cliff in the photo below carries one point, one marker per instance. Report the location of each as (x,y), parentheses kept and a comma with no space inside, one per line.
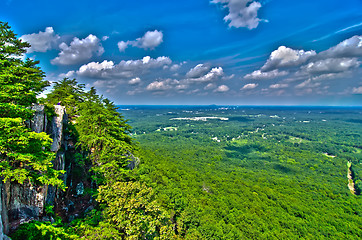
(103,149)
(24,155)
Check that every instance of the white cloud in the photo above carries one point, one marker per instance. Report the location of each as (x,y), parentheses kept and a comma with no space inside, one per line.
(134,81)
(242,13)
(122,46)
(161,85)
(222,88)
(286,57)
(351,47)
(182,86)
(150,40)
(96,69)
(105,38)
(249,86)
(357,90)
(225,78)
(175,67)
(42,41)
(124,69)
(67,75)
(78,50)
(198,71)
(278,85)
(259,75)
(331,65)
(210,86)
(215,74)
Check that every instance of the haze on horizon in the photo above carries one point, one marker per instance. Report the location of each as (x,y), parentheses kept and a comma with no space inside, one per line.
(224,52)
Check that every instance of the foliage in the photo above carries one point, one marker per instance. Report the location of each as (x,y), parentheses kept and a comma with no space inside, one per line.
(131,208)
(279,177)
(24,155)
(67,92)
(129,212)
(20,81)
(37,230)
(104,133)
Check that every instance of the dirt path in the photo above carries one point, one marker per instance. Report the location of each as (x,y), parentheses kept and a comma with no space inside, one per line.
(350,180)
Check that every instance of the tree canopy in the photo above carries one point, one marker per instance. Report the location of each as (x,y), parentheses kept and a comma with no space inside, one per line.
(24,155)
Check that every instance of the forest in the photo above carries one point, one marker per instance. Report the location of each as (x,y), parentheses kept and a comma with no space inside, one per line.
(199,172)
(233,172)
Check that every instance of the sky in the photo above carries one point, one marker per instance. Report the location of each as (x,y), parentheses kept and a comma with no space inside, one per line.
(199,52)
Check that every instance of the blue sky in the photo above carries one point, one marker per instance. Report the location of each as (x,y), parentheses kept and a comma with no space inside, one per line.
(239,52)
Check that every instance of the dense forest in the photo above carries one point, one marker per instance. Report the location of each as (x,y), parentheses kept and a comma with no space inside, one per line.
(182,172)
(253,172)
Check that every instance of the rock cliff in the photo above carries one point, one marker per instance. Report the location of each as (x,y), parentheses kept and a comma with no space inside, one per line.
(22,203)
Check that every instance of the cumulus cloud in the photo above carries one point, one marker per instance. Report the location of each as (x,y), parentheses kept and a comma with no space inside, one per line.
(249,86)
(96,69)
(67,75)
(351,47)
(42,41)
(259,75)
(221,89)
(210,86)
(242,13)
(124,69)
(79,50)
(134,81)
(198,71)
(175,67)
(286,57)
(162,85)
(331,65)
(357,90)
(150,40)
(213,75)
(339,61)
(122,46)
(278,85)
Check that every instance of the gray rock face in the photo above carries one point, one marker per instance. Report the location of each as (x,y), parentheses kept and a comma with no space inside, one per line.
(39,122)
(21,203)
(57,127)
(24,203)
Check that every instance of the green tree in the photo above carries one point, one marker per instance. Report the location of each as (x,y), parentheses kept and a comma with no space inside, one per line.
(20,81)
(104,132)
(67,92)
(132,209)
(24,155)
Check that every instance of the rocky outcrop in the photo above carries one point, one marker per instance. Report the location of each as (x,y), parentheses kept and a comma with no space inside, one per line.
(133,162)
(39,122)
(57,124)
(22,203)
